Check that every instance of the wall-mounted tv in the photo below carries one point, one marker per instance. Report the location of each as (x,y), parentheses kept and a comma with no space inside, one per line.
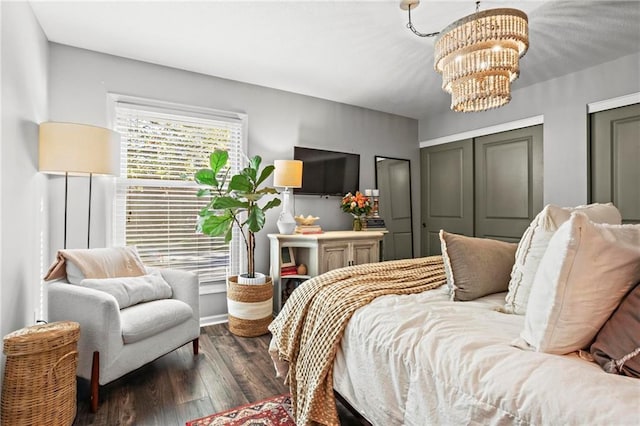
(327,172)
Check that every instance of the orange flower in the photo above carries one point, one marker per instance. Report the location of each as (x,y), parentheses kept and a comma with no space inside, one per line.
(357,205)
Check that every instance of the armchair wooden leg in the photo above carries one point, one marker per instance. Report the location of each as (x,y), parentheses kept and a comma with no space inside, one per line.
(195,345)
(95,375)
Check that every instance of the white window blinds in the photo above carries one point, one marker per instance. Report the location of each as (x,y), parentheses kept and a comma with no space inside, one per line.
(156,203)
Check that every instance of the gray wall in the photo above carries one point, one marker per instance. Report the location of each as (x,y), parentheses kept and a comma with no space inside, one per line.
(81,79)
(22,209)
(563,102)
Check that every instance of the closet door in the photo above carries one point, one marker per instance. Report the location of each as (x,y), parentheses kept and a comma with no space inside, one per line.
(446,192)
(615,160)
(508,182)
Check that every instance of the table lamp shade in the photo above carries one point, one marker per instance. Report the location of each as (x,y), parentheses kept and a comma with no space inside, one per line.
(78,149)
(288,173)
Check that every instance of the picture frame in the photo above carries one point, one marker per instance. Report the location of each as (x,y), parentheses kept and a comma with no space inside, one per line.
(287,258)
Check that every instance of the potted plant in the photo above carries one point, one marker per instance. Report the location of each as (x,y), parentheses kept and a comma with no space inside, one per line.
(234,202)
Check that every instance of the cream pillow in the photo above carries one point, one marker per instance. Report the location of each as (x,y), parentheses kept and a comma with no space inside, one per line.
(475,267)
(78,264)
(130,291)
(584,274)
(534,243)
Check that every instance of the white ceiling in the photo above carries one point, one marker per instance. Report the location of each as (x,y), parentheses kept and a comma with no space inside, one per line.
(356,52)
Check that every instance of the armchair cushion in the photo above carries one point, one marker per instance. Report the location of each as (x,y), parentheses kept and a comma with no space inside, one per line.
(148,319)
(130,291)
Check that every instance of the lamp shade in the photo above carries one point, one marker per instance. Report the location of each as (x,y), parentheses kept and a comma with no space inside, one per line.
(78,149)
(288,173)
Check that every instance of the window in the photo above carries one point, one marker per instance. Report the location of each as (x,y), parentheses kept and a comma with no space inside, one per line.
(156,203)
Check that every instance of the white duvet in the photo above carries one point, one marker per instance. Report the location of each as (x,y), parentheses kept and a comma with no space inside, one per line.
(424,360)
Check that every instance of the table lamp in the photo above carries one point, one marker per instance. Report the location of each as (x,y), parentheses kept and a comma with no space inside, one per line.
(78,149)
(288,174)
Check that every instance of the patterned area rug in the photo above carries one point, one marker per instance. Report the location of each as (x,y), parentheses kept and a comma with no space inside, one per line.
(270,412)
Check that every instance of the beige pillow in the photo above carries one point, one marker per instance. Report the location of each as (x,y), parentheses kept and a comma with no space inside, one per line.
(130,291)
(534,243)
(78,264)
(584,274)
(617,346)
(476,267)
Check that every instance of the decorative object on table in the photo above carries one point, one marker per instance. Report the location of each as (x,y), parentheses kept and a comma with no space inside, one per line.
(273,411)
(302,269)
(288,270)
(39,385)
(287,262)
(306,225)
(249,296)
(78,149)
(373,222)
(309,229)
(288,174)
(287,257)
(370,223)
(478,55)
(358,206)
(306,221)
(376,199)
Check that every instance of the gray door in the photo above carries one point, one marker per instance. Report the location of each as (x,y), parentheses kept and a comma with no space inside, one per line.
(508,182)
(393,179)
(446,175)
(615,160)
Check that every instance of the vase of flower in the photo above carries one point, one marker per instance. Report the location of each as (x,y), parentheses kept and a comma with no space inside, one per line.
(357,223)
(358,206)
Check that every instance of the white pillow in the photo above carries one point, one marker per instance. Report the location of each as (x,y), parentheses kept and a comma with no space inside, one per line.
(584,274)
(130,291)
(534,243)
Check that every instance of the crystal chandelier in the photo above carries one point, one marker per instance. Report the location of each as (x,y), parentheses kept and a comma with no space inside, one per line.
(478,56)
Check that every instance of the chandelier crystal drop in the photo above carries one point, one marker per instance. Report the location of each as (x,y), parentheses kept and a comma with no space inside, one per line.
(478,56)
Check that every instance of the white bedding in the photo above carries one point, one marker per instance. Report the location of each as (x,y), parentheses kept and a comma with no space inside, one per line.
(424,360)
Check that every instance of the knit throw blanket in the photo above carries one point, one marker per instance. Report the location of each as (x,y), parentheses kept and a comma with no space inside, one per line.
(308,330)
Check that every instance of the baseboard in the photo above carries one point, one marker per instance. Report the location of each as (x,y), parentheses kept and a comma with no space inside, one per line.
(213,319)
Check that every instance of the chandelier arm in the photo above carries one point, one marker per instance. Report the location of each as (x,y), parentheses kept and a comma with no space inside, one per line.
(416,32)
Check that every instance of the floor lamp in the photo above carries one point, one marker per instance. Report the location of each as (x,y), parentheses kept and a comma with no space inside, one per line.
(288,174)
(78,149)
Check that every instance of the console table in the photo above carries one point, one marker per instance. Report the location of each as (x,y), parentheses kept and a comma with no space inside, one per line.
(321,253)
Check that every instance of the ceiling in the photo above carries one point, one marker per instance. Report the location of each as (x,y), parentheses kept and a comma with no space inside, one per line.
(355,52)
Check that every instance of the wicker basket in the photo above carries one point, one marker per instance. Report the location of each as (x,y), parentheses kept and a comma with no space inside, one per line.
(40,375)
(250,307)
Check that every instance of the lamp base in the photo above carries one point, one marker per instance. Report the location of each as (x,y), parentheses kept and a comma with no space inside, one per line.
(286,223)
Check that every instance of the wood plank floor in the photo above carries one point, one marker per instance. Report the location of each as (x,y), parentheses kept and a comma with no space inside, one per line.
(229,371)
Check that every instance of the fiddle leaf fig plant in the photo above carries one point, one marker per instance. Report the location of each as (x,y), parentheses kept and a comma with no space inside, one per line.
(235,203)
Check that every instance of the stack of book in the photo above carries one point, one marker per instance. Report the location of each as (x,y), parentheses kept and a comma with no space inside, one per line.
(288,270)
(308,229)
(373,224)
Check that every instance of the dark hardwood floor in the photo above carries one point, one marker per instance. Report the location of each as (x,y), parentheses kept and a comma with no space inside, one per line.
(229,371)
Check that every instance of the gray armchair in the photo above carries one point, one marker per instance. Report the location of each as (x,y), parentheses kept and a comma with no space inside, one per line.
(114,342)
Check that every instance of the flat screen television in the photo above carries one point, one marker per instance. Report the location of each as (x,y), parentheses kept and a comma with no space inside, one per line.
(327,172)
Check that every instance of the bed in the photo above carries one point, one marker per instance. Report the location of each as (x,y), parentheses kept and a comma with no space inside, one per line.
(423,359)
(404,343)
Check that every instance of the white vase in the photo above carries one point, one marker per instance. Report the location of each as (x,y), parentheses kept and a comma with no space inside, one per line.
(258,279)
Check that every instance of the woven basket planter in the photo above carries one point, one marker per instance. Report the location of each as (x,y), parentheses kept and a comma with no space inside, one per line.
(250,307)
(40,375)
